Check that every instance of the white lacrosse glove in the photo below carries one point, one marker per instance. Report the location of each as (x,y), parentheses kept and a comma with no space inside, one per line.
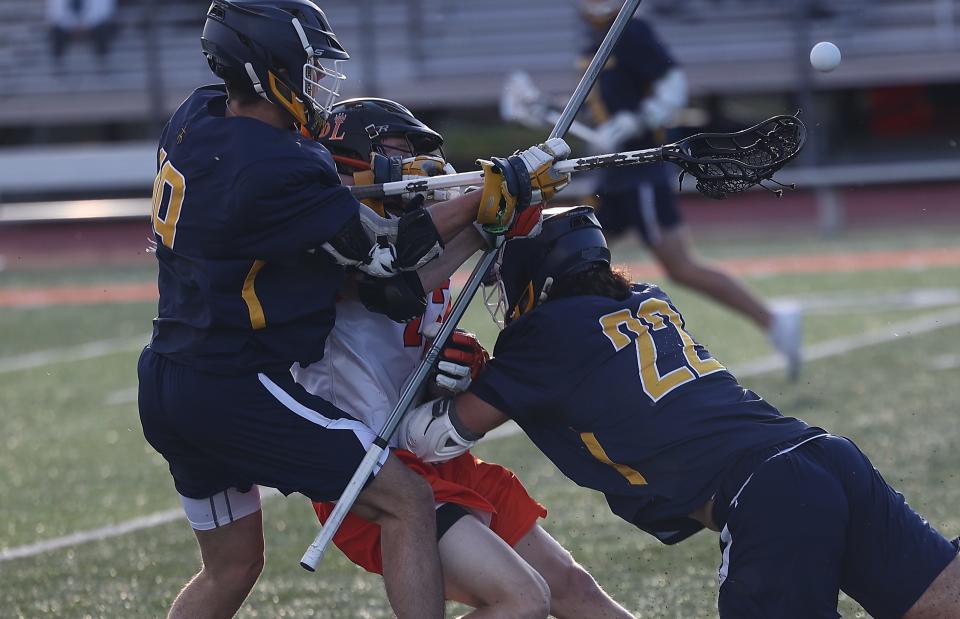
(545,181)
(429,433)
(611,135)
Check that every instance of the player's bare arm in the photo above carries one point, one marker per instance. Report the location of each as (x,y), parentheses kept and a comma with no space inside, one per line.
(462,246)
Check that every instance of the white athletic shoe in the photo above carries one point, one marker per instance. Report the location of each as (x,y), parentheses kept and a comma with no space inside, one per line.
(786,335)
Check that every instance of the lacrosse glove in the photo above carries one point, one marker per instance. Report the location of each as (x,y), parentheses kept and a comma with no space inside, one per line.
(512,184)
(461,360)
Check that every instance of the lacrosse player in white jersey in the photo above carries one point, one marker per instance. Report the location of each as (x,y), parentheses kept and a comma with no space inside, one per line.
(495,556)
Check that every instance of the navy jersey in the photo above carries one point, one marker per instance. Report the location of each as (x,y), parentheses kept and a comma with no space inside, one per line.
(623,400)
(637,61)
(240,209)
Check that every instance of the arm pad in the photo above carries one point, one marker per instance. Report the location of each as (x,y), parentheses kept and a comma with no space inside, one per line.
(400,298)
(418,241)
(668,97)
(379,246)
(430,434)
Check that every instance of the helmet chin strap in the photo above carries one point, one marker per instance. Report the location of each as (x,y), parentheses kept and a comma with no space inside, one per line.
(303,38)
(545,292)
(257,86)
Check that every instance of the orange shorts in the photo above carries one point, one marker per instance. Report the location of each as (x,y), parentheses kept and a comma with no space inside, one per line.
(464,480)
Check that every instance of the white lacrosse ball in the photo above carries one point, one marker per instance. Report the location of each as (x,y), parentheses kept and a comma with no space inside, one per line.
(825,56)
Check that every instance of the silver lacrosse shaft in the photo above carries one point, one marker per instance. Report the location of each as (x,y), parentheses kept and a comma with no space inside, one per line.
(463,179)
(315,552)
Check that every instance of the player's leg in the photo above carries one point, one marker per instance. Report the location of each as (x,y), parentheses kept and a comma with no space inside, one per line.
(482,571)
(660,223)
(573,591)
(896,563)
(402,504)
(268,430)
(226,521)
(782,540)
(232,558)
(783,324)
(314,448)
(674,251)
(942,597)
(502,584)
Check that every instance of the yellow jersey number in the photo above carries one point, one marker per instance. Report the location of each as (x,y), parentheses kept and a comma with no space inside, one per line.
(656,315)
(168,192)
(652,315)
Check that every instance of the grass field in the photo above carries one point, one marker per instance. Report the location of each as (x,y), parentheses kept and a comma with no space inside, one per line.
(72,457)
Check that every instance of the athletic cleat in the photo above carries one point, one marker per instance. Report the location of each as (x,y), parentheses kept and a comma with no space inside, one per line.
(786,336)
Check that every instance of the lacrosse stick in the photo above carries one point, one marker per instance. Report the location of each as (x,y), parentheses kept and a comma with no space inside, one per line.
(315,552)
(722,163)
(522,102)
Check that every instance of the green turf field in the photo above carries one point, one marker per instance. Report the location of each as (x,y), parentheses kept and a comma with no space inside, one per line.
(72,457)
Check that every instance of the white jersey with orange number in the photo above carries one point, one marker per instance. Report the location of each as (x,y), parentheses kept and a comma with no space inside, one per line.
(368,358)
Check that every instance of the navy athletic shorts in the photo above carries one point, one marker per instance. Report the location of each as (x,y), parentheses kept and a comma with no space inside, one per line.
(218,432)
(646,203)
(813,521)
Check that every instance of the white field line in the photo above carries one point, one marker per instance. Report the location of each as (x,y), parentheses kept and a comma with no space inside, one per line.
(916,298)
(945,362)
(849,343)
(102,533)
(821,350)
(82,352)
(121,396)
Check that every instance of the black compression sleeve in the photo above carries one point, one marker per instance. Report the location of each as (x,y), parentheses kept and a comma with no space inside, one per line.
(447,516)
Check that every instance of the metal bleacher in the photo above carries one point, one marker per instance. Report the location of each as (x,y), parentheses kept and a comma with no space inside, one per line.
(452,53)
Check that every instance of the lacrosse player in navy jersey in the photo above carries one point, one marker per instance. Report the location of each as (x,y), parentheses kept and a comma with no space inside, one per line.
(494,555)
(253,230)
(605,378)
(638,93)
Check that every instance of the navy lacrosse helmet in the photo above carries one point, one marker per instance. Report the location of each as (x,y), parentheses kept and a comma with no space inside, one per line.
(279,47)
(570,242)
(359,127)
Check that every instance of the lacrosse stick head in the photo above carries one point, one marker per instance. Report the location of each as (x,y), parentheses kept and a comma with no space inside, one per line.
(725,163)
(520,101)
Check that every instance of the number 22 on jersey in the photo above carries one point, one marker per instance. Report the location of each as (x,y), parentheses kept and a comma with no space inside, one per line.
(655,321)
(168,192)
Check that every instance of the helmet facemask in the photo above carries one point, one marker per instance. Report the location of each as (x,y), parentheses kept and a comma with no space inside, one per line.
(509,295)
(403,144)
(320,98)
(525,269)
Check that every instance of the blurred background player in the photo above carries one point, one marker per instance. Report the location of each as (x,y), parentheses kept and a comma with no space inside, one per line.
(495,557)
(71,20)
(604,377)
(636,97)
(252,230)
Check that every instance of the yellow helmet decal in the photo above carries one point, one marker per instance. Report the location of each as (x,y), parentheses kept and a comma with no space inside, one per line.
(524,304)
(287,98)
